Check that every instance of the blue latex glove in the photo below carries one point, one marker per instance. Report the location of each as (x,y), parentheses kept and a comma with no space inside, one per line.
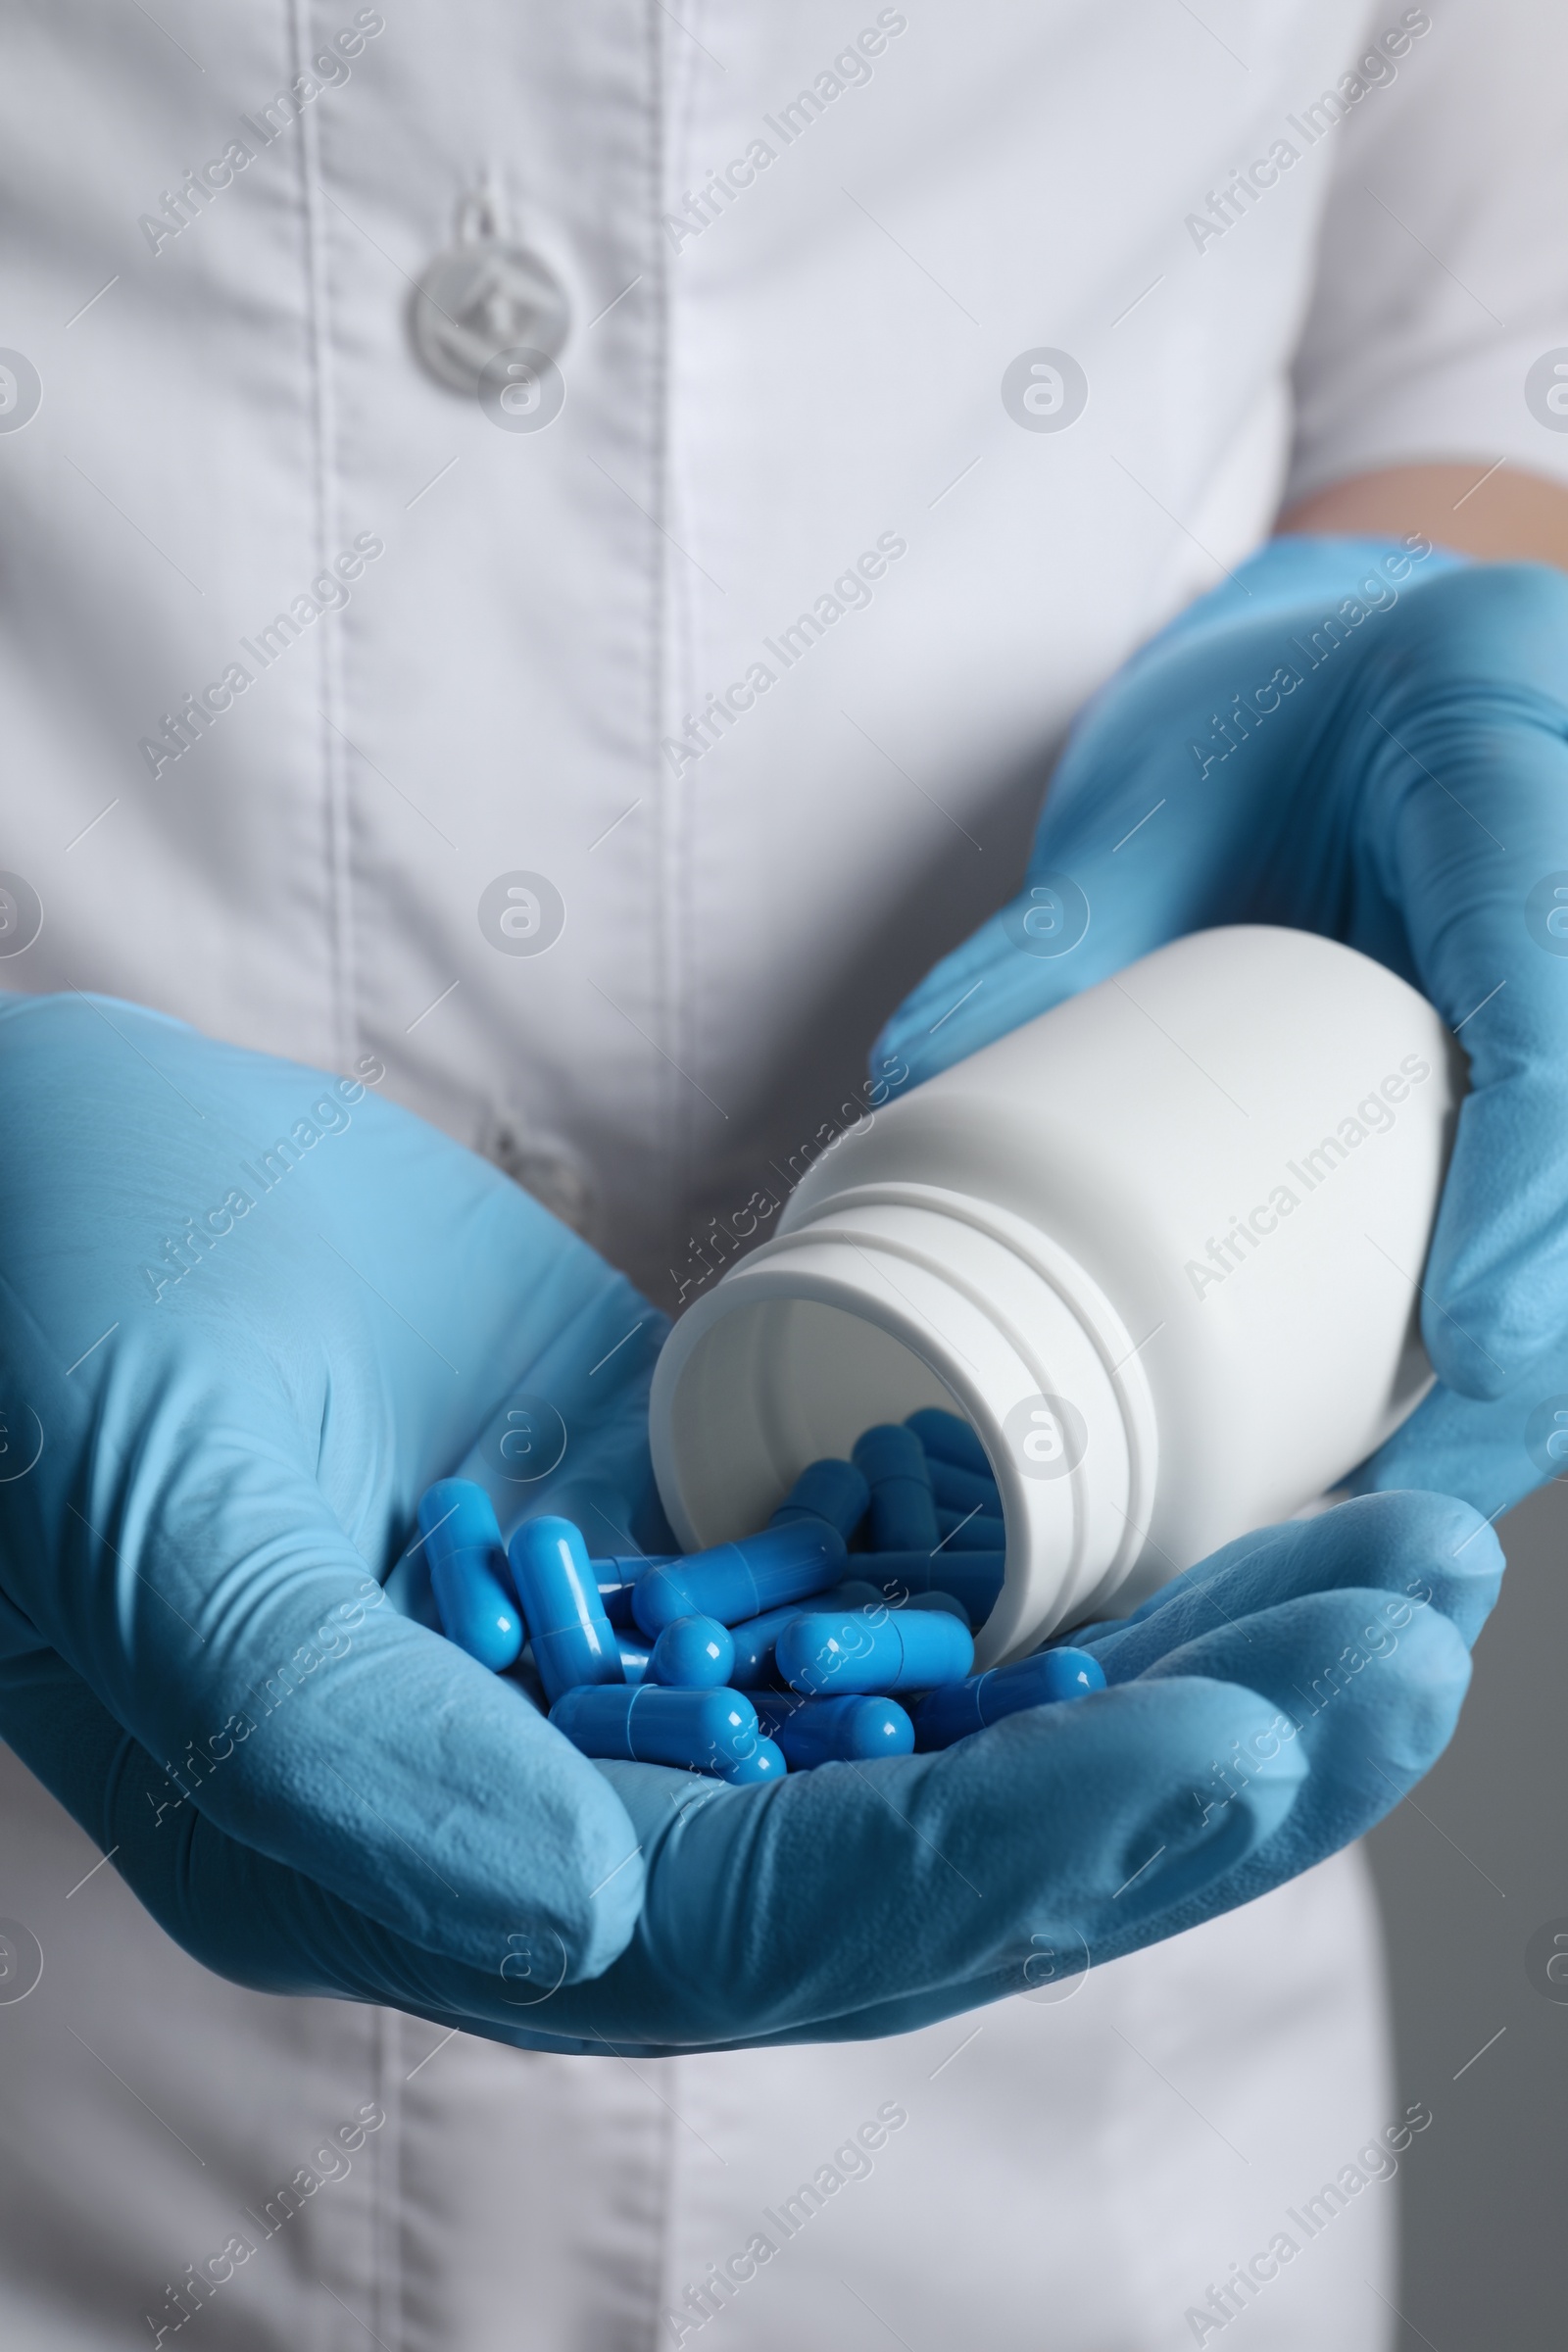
(226,1468)
(213,1476)
(1371,743)
(228,1461)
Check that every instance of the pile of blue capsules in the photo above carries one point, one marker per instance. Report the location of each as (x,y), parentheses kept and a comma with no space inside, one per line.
(776,1654)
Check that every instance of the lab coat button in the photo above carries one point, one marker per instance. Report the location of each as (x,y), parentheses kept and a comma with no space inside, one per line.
(485,294)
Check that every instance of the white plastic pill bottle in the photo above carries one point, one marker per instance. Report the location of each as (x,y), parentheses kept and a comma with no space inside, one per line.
(1161,1247)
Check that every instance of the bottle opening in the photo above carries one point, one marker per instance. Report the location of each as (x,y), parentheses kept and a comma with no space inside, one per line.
(785,1382)
(884,1303)
(773,1387)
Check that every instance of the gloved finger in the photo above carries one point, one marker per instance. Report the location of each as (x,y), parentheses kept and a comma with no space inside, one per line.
(1423,1549)
(234,1436)
(1371,1705)
(818,1907)
(1492,1450)
(980,991)
(573,1443)
(210,1601)
(1366,1708)
(1163,817)
(1467,822)
(929,1879)
(258,1921)
(384,1285)
(940,1879)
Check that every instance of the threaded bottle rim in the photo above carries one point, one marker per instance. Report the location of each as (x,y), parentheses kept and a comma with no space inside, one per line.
(886,1298)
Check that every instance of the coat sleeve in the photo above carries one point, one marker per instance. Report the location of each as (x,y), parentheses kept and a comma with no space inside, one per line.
(1439,318)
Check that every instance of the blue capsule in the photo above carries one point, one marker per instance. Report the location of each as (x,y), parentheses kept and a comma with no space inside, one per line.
(462,1545)
(973,1577)
(634,1656)
(971,1530)
(765,1762)
(573,1640)
(826,1731)
(828,1489)
(754,1640)
(1051,1675)
(755,1636)
(736,1581)
(854,1593)
(699,1731)
(693,1653)
(937,1601)
(961,1490)
(947,1439)
(826,1655)
(616,1579)
(904,1515)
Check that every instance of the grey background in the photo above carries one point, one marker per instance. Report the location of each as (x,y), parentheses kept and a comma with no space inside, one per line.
(1466,1870)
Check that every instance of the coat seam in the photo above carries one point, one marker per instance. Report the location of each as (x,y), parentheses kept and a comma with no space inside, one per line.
(386,2238)
(666,2290)
(333,739)
(670,799)
(670,792)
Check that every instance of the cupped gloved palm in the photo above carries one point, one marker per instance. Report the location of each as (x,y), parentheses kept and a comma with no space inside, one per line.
(1369,741)
(247,1312)
(210,1475)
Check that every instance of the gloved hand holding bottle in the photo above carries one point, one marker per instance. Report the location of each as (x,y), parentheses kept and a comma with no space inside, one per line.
(1370,740)
(251,1312)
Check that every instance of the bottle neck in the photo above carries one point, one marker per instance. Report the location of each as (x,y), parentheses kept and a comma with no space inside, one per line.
(881,1300)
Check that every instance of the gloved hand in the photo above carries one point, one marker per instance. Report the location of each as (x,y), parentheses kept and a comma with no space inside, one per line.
(209,1474)
(1356,738)
(247,1313)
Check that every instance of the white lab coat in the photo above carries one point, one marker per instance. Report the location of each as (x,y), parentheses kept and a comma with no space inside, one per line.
(767,376)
